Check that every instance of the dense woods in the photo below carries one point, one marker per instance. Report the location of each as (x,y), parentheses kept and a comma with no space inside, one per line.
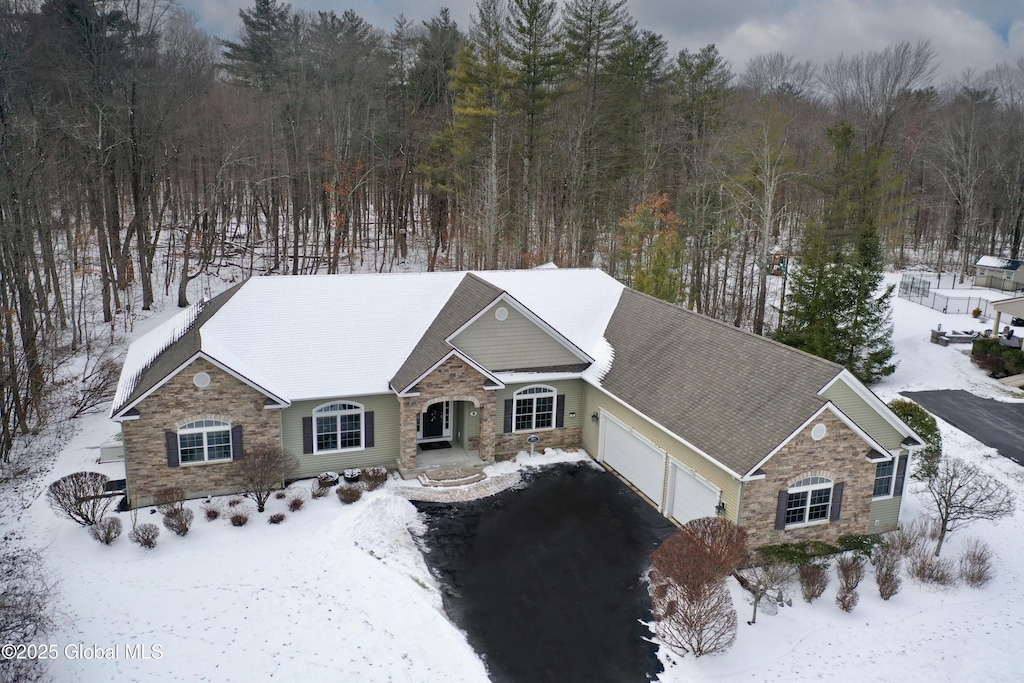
(137,152)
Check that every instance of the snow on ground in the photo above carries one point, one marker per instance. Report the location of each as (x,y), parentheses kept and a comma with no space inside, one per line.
(342,593)
(923,633)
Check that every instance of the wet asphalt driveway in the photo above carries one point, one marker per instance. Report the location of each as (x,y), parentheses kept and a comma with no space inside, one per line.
(994,423)
(547,579)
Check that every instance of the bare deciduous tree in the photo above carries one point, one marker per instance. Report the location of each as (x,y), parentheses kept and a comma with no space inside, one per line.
(261,471)
(25,609)
(767,584)
(961,493)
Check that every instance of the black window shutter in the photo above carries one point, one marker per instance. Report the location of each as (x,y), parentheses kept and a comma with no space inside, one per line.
(171,439)
(560,410)
(508,415)
(237,453)
(901,475)
(837,502)
(307,435)
(780,510)
(368,429)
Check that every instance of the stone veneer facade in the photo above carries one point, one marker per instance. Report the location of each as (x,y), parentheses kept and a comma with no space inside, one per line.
(840,456)
(453,380)
(178,402)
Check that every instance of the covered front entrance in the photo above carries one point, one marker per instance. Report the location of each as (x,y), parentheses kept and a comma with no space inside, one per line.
(435,423)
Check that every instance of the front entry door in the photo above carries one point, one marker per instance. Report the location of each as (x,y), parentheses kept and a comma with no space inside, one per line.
(436,422)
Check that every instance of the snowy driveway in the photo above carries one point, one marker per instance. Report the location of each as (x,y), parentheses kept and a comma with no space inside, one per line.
(547,579)
(994,423)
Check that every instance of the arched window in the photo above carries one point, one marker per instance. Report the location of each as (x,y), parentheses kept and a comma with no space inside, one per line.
(339,426)
(534,408)
(809,500)
(204,441)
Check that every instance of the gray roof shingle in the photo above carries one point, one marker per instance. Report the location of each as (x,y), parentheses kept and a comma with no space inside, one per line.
(732,394)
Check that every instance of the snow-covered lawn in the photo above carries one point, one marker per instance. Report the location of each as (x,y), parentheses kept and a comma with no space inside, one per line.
(341,592)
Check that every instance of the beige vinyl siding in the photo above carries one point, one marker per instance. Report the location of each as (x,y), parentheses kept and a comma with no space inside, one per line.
(595,400)
(515,343)
(572,389)
(470,426)
(885,514)
(385,436)
(854,407)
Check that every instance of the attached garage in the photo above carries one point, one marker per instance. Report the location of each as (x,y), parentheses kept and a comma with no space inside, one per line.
(640,462)
(691,496)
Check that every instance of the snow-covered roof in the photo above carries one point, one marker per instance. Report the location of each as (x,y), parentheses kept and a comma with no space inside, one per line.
(999,262)
(320,336)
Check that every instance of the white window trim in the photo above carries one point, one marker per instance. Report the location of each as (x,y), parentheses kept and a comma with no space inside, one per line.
(520,394)
(322,411)
(218,426)
(892,480)
(807,506)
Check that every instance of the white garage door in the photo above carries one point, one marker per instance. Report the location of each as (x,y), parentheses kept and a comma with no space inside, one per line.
(691,496)
(636,459)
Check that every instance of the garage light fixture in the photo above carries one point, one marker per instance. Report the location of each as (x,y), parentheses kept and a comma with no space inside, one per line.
(720,508)
(594,417)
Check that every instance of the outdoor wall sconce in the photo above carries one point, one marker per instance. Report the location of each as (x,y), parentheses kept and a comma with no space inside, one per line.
(594,417)
(720,508)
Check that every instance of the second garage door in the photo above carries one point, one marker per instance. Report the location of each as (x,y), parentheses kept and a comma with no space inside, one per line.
(639,461)
(691,497)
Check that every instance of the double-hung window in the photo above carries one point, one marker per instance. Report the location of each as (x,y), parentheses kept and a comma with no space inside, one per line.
(339,426)
(808,501)
(885,474)
(204,441)
(534,409)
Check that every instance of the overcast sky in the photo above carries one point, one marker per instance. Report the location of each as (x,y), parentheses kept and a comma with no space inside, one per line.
(966,34)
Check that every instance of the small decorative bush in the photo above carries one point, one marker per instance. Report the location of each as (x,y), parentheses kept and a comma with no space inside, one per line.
(976,563)
(909,538)
(851,571)
(296,503)
(813,580)
(847,599)
(212,510)
(239,517)
(328,479)
(106,530)
(375,477)
(234,502)
(145,535)
(886,561)
(352,474)
(318,491)
(281,495)
(169,500)
(926,568)
(179,520)
(276,518)
(349,494)
(80,497)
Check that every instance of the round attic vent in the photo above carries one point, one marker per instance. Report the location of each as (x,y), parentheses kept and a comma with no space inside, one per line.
(201,379)
(501,313)
(818,432)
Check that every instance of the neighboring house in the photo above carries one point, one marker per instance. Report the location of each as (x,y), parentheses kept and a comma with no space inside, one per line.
(357,370)
(996,272)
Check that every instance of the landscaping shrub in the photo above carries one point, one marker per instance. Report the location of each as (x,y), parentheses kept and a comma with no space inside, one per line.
(851,571)
(106,530)
(234,502)
(909,538)
(976,563)
(319,491)
(768,583)
(374,477)
(169,500)
(352,474)
(886,561)
(703,622)
(296,503)
(813,578)
(276,518)
(847,599)
(145,535)
(797,554)
(239,517)
(211,509)
(281,495)
(925,567)
(861,544)
(179,520)
(328,479)
(924,425)
(349,494)
(80,497)
(996,358)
